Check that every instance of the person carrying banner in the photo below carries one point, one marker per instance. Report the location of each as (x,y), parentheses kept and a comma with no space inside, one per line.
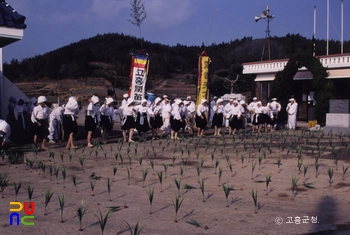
(201,119)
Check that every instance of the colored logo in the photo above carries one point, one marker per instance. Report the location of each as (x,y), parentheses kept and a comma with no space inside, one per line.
(27,219)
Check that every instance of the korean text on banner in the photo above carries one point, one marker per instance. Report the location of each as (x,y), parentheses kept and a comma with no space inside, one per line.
(203,77)
(139,72)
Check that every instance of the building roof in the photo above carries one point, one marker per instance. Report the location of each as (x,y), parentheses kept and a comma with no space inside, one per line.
(9,17)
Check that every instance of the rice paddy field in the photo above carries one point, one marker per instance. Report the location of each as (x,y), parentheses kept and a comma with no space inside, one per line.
(283,182)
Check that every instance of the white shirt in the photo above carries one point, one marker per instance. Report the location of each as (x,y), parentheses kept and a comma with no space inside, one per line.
(94,111)
(107,111)
(275,106)
(201,109)
(183,112)
(219,108)
(157,109)
(235,111)
(166,111)
(128,110)
(40,113)
(292,108)
(259,110)
(191,107)
(176,112)
(57,114)
(252,106)
(143,109)
(227,109)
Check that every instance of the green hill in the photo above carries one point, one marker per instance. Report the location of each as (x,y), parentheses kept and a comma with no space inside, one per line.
(108,56)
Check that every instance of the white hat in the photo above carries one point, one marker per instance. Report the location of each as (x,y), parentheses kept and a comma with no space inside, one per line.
(109,101)
(231,99)
(129,102)
(219,100)
(259,102)
(186,102)
(165,96)
(143,101)
(95,99)
(157,100)
(203,101)
(274,99)
(41,99)
(235,102)
(291,99)
(189,97)
(242,102)
(125,95)
(178,101)
(255,98)
(215,97)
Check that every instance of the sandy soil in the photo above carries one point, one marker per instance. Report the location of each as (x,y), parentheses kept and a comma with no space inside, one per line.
(329,203)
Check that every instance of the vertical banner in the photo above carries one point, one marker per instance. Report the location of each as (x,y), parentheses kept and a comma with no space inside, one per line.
(138,77)
(203,77)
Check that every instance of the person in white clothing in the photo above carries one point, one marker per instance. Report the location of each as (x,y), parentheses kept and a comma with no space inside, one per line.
(251,108)
(128,122)
(19,127)
(5,132)
(275,108)
(143,115)
(176,119)
(292,110)
(201,119)
(213,102)
(243,119)
(92,118)
(191,114)
(156,120)
(40,117)
(70,126)
(125,99)
(234,116)
(218,117)
(55,124)
(227,109)
(166,112)
(107,118)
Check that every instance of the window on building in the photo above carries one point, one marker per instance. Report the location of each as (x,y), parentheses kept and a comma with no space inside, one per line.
(264,90)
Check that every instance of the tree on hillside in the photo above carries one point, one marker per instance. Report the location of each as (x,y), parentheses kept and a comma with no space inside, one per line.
(229,76)
(138,14)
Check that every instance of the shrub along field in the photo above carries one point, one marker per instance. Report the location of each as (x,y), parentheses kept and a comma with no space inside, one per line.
(283,182)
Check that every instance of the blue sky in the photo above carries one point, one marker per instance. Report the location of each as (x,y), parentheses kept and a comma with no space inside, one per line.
(52,24)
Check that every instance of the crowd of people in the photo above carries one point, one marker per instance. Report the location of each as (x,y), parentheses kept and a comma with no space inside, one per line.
(160,116)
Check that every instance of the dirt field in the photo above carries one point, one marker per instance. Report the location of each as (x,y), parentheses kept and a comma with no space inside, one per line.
(325,208)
